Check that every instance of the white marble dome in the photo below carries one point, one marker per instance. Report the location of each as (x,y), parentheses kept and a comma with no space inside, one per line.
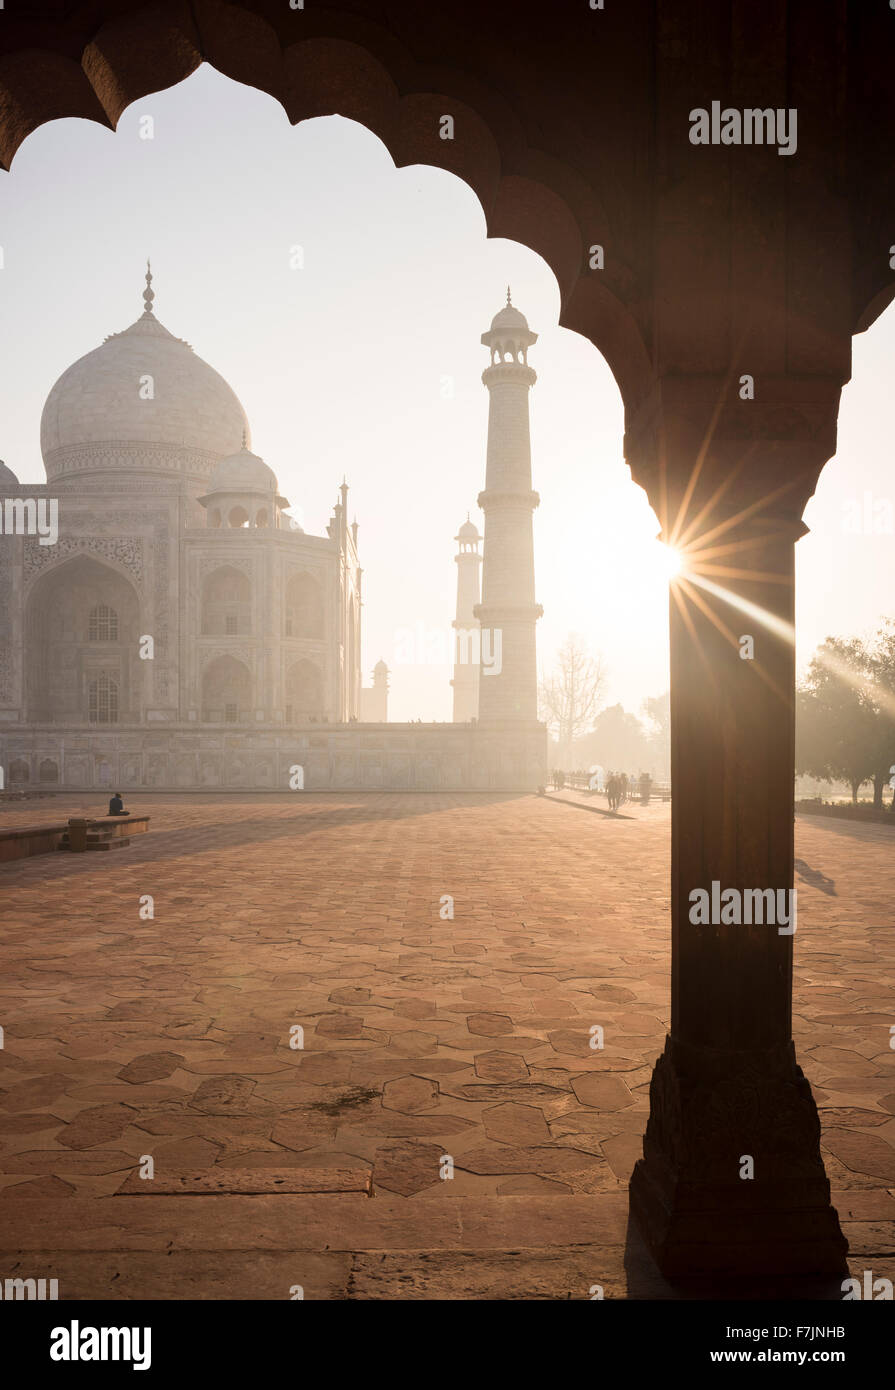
(96,417)
(242,472)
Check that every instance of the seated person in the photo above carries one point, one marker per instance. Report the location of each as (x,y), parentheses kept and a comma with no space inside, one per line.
(116,806)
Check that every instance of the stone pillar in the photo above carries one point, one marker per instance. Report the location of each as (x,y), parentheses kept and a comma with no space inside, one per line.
(508,688)
(77,834)
(731,1181)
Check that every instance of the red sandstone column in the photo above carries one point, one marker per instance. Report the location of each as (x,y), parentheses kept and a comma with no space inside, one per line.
(731,1181)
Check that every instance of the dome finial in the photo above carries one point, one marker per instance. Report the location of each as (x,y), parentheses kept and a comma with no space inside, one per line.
(244,444)
(148,294)
(509,301)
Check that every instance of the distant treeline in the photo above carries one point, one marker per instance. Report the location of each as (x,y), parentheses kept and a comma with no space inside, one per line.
(845,713)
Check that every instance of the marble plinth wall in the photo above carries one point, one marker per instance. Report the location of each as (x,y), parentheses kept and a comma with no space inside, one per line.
(367,757)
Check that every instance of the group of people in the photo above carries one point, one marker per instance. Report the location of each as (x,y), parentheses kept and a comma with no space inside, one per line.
(621,788)
(617,786)
(616,789)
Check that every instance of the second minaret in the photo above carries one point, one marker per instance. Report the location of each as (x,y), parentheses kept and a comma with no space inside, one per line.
(508,686)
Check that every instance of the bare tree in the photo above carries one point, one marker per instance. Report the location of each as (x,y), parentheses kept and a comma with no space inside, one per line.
(570,697)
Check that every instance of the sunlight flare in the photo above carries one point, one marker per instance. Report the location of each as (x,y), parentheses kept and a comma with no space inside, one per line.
(670,561)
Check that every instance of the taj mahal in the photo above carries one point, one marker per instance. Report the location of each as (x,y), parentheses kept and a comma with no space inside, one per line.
(181,631)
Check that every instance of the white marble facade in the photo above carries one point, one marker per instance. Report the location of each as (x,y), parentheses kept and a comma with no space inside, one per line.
(181,632)
(179,595)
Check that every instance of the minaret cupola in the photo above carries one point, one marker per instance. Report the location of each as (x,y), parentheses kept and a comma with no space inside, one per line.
(509,336)
(243,492)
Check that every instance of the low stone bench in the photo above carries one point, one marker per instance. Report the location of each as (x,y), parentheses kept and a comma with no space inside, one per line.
(111,832)
(28,840)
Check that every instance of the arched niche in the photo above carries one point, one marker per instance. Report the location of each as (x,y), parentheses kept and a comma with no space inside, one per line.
(304,607)
(304,692)
(226,691)
(82,626)
(226,603)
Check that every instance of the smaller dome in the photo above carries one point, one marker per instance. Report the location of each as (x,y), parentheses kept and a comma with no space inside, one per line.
(381,668)
(509,335)
(242,472)
(7,477)
(468,531)
(509,319)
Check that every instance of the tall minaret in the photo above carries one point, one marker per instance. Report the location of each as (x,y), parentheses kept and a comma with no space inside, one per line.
(509,680)
(466,624)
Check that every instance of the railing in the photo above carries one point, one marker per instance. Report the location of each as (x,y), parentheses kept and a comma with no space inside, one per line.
(580,781)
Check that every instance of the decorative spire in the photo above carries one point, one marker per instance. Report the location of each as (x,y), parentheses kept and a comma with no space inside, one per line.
(148,293)
(244,444)
(508,295)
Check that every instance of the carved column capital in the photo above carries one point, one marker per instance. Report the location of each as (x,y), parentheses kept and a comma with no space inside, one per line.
(702,451)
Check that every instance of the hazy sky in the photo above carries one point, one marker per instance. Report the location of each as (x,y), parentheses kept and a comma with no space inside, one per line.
(346,366)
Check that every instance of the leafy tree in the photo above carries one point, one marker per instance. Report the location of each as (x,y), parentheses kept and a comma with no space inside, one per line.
(618,741)
(881,669)
(837,720)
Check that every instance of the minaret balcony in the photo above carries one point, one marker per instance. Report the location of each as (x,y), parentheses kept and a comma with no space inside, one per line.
(509,373)
(495,615)
(493,497)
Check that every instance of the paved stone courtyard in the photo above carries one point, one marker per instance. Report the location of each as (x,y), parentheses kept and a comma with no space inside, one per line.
(428,1042)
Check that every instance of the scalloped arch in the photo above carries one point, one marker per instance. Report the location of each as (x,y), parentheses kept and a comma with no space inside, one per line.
(354,68)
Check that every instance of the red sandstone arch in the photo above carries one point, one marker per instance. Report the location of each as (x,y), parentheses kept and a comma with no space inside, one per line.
(356,68)
(565,132)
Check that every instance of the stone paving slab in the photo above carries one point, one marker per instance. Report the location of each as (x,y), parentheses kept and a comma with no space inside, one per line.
(191,1274)
(262,1179)
(263,1247)
(431,1042)
(342,1222)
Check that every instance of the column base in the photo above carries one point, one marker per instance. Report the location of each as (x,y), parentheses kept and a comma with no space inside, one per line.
(710,1111)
